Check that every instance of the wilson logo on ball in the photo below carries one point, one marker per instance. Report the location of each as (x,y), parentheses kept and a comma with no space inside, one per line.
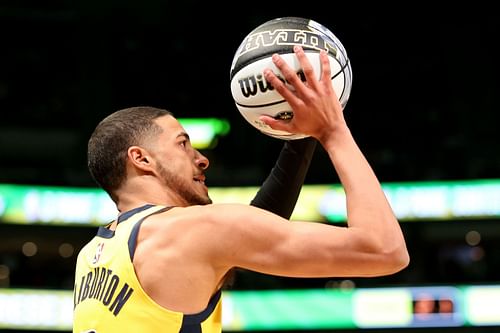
(252,84)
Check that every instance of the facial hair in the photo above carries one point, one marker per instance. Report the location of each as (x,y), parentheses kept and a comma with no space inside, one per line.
(184,189)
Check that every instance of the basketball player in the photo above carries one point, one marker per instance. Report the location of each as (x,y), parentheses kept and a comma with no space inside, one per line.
(161,265)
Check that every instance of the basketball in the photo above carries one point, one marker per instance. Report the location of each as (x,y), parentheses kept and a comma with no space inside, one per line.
(254,96)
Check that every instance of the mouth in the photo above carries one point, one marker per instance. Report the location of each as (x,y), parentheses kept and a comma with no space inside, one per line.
(200,179)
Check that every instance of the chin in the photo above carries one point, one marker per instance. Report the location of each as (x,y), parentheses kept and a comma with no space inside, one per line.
(207,201)
(201,201)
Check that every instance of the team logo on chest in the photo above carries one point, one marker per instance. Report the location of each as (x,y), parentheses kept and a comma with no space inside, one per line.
(98,253)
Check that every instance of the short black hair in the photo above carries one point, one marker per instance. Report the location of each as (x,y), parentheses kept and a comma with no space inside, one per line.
(109,143)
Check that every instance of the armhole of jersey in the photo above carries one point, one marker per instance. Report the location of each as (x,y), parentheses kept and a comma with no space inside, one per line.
(132,241)
(198,318)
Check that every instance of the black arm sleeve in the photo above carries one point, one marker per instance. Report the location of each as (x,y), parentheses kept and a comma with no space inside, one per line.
(281,189)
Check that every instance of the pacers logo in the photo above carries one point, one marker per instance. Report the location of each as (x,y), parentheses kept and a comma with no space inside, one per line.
(98,253)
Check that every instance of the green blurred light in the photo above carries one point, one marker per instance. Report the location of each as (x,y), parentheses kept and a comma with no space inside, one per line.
(298,309)
(204,132)
(426,201)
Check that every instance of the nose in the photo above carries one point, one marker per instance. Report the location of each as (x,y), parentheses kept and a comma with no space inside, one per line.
(201,161)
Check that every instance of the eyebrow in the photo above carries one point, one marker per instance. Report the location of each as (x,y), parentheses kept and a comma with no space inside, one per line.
(184,134)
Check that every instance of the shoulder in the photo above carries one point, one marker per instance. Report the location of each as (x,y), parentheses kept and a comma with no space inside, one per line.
(212,213)
(222,215)
(197,231)
(199,221)
(193,218)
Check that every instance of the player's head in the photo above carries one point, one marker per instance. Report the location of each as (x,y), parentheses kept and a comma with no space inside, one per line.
(109,143)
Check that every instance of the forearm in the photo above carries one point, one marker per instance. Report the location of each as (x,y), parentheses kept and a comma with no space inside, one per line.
(367,205)
(281,189)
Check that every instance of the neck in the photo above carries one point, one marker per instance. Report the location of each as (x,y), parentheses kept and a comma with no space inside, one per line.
(130,197)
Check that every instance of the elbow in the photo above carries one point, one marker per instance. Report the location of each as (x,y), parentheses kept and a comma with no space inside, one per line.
(396,260)
(381,258)
(388,261)
(401,259)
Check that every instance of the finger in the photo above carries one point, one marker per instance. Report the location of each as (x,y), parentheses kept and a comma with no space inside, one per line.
(306,66)
(276,124)
(326,71)
(288,73)
(279,86)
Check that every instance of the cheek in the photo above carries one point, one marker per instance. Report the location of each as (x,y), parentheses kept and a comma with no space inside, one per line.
(178,164)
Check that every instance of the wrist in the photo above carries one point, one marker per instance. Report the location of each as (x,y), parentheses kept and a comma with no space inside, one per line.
(335,136)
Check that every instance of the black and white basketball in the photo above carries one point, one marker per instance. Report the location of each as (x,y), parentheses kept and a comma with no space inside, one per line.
(254,96)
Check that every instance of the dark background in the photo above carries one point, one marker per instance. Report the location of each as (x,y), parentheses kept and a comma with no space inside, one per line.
(424,106)
(424,103)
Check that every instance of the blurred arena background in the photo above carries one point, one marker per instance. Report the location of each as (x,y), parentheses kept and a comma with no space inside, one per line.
(424,108)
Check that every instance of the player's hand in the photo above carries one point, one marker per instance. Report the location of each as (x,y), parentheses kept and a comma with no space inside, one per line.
(317,110)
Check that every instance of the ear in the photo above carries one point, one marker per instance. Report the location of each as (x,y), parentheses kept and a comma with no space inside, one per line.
(140,158)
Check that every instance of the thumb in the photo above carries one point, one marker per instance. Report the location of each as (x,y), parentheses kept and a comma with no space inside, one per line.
(277,124)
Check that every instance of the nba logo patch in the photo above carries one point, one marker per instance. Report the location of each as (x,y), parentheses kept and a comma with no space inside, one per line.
(98,253)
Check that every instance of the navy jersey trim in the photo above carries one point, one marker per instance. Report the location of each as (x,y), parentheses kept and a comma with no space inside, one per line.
(195,328)
(198,318)
(105,232)
(132,240)
(131,212)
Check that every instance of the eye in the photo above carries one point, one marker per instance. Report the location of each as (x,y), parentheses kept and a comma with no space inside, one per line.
(184,143)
